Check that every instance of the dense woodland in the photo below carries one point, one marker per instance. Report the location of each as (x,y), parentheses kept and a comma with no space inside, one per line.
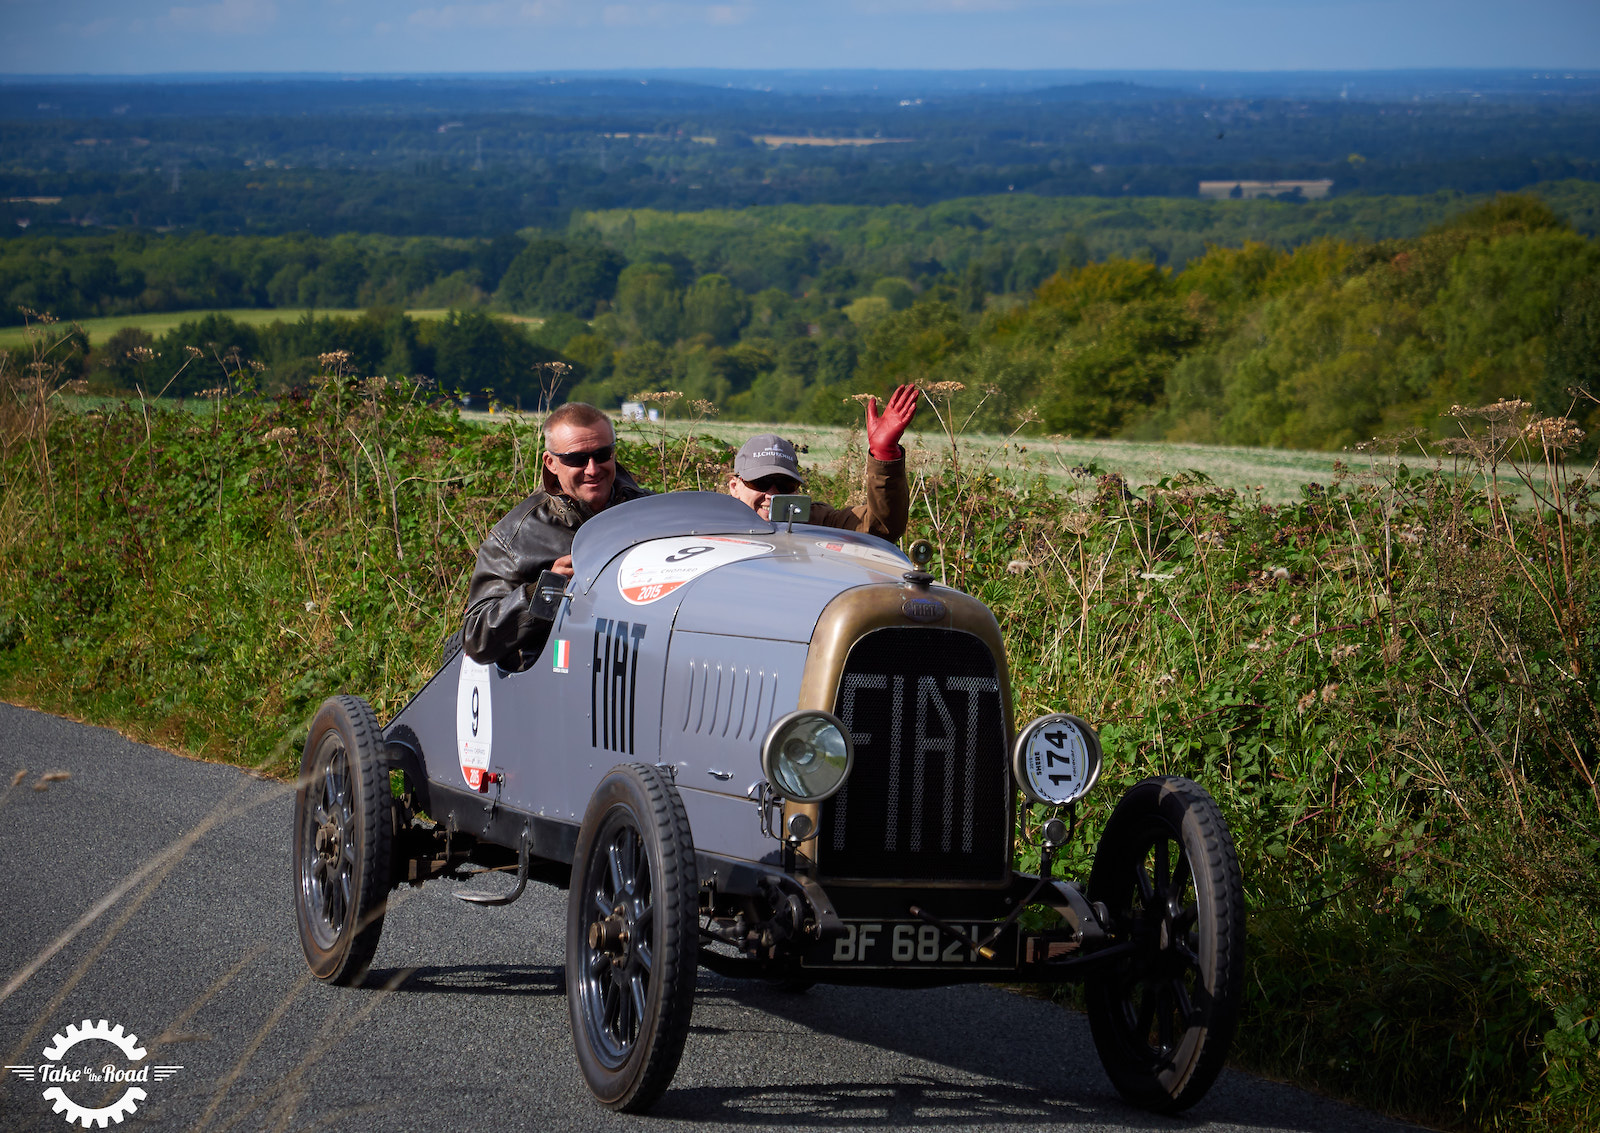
(784,314)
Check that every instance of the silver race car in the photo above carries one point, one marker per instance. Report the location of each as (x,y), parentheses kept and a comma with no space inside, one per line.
(777,751)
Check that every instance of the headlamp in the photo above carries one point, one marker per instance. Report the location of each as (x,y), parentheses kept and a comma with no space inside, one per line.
(807,755)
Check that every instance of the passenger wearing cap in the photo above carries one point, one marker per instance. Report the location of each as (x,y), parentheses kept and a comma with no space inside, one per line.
(767,466)
(506,620)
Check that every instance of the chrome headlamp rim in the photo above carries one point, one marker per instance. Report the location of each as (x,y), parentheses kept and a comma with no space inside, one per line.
(1093,753)
(770,751)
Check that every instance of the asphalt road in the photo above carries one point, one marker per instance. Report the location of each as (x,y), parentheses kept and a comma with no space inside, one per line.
(153,891)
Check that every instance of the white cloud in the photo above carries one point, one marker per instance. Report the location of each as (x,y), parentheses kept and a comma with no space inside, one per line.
(227,17)
(632,15)
(474,14)
(493,14)
(931,7)
(627,15)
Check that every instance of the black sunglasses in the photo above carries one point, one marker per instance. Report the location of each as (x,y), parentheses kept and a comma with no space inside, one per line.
(581,459)
(778,484)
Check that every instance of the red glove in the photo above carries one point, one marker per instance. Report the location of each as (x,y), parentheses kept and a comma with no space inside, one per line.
(884,433)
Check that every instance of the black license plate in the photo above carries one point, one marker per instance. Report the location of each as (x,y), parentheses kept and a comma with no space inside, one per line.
(912,945)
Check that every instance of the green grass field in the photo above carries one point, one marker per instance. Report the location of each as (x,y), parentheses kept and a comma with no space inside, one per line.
(158,323)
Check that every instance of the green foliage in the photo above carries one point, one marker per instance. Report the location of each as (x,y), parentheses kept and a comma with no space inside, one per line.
(910,345)
(1110,373)
(550,276)
(1319,346)
(129,272)
(486,356)
(650,301)
(714,307)
(1572,359)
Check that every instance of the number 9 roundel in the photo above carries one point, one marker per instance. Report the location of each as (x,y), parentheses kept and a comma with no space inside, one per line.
(1056,759)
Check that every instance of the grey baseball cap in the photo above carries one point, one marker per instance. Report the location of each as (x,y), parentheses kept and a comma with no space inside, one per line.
(765,454)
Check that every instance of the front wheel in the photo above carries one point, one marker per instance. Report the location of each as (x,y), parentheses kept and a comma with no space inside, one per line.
(1163,1017)
(632,937)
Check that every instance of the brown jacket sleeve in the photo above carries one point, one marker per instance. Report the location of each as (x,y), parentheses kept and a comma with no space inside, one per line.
(888,503)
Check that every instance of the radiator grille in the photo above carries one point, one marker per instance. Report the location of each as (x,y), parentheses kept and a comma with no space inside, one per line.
(930,794)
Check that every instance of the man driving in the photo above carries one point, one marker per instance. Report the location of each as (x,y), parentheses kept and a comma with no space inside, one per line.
(505,616)
(767,466)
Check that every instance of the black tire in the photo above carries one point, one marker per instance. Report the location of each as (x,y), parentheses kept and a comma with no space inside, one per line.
(343,823)
(1164,1017)
(632,937)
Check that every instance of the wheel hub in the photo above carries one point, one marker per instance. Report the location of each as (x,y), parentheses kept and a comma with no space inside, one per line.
(329,838)
(612,935)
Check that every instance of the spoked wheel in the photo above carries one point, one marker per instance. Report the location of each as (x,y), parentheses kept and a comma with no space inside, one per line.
(632,937)
(343,831)
(1164,1016)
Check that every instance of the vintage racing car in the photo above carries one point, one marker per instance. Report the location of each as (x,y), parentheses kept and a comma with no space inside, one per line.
(778,751)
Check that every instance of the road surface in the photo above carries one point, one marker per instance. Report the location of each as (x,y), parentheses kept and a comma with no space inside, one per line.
(153,892)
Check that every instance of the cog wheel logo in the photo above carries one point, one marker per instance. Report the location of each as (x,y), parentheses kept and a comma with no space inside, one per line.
(75,1034)
(107,1074)
(116,1111)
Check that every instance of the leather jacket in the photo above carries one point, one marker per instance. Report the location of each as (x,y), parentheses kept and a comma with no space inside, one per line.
(501,618)
(886,510)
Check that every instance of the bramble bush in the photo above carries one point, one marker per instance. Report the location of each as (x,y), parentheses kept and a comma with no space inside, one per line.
(1389,685)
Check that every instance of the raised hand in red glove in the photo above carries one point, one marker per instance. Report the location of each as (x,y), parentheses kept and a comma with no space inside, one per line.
(884,432)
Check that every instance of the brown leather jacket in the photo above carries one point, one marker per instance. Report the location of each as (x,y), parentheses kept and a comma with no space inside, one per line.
(888,503)
(500,618)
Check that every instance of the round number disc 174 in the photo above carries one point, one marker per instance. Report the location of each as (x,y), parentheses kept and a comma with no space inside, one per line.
(1057,759)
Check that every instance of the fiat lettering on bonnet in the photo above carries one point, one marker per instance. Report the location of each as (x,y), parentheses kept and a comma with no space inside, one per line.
(614,683)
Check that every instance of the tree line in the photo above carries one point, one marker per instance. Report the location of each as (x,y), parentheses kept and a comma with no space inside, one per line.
(1016,241)
(1316,346)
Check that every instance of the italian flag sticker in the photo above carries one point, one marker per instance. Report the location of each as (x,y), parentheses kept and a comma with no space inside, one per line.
(562,655)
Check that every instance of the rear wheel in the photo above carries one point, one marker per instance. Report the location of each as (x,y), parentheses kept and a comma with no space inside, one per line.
(632,937)
(1164,1016)
(343,820)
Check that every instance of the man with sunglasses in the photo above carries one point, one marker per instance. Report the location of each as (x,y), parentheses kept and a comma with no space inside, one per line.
(767,466)
(506,620)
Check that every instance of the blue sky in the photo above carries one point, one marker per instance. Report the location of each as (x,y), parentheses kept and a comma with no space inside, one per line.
(133,36)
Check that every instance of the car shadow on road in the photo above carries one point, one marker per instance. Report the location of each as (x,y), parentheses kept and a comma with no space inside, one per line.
(477,979)
(911,1100)
(1013,1060)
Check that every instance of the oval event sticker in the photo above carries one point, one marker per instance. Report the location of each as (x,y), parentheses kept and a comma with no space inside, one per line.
(873,554)
(474,722)
(655,569)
